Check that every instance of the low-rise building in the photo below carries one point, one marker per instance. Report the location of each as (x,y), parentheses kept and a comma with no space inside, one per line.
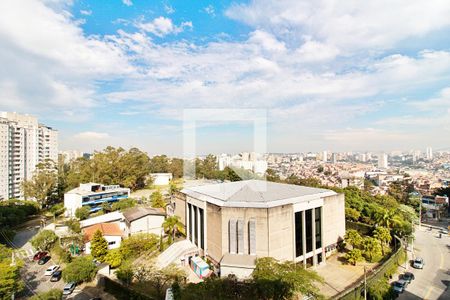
(233,223)
(161,178)
(93,195)
(144,220)
(111,232)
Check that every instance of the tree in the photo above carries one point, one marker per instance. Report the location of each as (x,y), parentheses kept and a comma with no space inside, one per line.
(125,273)
(44,240)
(383,235)
(173,188)
(176,167)
(353,238)
(114,258)
(53,294)
(123,204)
(10,281)
(372,249)
(62,254)
(157,200)
(159,164)
(354,256)
(99,246)
(82,213)
(159,279)
(137,244)
(81,269)
(285,279)
(42,184)
(171,226)
(74,225)
(271,175)
(352,214)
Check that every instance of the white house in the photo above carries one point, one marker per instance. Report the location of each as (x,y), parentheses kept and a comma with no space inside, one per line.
(93,195)
(111,232)
(161,178)
(144,220)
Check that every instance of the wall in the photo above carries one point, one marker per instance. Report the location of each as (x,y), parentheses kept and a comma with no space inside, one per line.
(180,207)
(214,232)
(148,224)
(241,273)
(281,232)
(333,219)
(71,203)
(108,238)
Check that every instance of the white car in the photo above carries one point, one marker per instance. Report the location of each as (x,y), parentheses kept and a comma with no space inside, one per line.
(68,288)
(51,270)
(418,263)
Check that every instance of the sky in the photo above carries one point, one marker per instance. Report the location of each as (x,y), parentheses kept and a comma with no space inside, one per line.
(328,75)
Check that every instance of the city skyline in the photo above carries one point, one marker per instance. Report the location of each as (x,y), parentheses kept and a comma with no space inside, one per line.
(122,73)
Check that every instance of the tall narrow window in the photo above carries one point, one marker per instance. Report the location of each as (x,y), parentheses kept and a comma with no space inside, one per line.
(232,241)
(240,236)
(318,228)
(190,221)
(252,237)
(308,226)
(202,229)
(195,225)
(298,234)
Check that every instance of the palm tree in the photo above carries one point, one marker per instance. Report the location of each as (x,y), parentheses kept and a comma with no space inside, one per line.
(171,226)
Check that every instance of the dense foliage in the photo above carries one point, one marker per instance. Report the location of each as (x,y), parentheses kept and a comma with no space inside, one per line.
(14,212)
(82,213)
(81,269)
(157,200)
(10,281)
(53,294)
(111,166)
(137,244)
(43,185)
(172,225)
(270,280)
(123,204)
(44,240)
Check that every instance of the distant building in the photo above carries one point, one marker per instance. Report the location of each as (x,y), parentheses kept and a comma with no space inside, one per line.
(161,178)
(324,156)
(93,195)
(429,154)
(24,143)
(144,220)
(70,155)
(334,158)
(233,223)
(382,161)
(110,231)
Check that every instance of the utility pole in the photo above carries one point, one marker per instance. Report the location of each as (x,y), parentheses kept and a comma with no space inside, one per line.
(365,284)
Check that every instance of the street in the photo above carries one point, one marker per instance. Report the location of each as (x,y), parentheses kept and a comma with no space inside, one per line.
(433,280)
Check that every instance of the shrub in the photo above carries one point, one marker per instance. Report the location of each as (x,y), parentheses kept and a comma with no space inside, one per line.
(354,256)
(81,269)
(53,294)
(63,255)
(44,240)
(114,258)
(137,244)
(99,246)
(82,213)
(123,204)
(74,225)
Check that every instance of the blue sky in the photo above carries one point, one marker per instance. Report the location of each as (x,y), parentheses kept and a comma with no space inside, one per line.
(331,75)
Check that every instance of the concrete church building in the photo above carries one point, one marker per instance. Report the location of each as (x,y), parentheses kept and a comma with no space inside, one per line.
(233,223)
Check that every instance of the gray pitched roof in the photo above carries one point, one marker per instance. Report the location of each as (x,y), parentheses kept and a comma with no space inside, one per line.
(138,212)
(254,191)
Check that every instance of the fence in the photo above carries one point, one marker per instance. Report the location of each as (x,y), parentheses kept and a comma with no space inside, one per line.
(387,268)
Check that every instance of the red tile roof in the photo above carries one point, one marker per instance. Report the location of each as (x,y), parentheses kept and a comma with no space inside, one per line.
(111,229)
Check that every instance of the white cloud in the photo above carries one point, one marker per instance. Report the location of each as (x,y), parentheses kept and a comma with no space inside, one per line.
(210,10)
(127,2)
(438,104)
(86,12)
(169,9)
(91,135)
(163,26)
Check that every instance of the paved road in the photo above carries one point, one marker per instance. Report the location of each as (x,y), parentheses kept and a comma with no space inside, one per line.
(433,281)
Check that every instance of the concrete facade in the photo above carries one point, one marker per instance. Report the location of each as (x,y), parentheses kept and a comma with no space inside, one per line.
(255,219)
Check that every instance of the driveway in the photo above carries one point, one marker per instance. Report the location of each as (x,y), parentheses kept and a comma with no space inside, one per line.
(433,280)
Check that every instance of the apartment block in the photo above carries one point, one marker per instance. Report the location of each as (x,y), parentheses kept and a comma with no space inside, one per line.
(24,143)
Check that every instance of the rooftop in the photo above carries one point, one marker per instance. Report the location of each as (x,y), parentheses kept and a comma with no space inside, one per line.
(138,212)
(87,189)
(111,229)
(255,193)
(106,218)
(238,260)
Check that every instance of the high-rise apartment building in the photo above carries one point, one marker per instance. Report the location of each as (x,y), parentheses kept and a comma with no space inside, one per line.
(24,143)
(429,153)
(382,161)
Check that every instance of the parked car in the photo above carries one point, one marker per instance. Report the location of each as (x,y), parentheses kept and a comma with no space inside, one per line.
(68,288)
(51,270)
(56,276)
(44,260)
(39,255)
(408,277)
(400,286)
(418,263)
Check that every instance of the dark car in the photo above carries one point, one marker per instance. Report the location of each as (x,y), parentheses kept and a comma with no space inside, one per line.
(44,260)
(400,286)
(408,277)
(39,255)
(56,276)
